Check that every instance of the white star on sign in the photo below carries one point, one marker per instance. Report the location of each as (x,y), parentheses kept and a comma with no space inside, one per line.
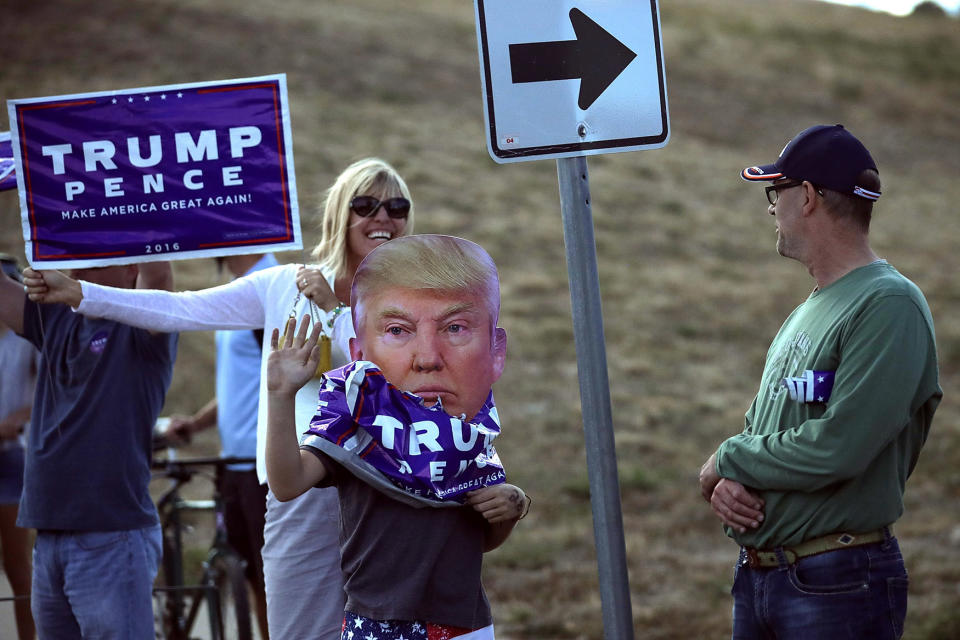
(358,623)
(819,398)
(163,96)
(114,101)
(820,379)
(179,95)
(369,636)
(146,99)
(130,99)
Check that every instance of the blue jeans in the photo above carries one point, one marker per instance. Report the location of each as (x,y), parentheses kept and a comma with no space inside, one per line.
(95,584)
(853,593)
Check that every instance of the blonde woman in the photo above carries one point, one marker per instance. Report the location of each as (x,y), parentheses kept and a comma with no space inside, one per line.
(368,204)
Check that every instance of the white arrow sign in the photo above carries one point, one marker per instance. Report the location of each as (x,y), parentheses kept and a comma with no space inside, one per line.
(563,78)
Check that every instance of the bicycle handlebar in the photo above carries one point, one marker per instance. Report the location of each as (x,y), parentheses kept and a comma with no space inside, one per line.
(182,471)
(185,463)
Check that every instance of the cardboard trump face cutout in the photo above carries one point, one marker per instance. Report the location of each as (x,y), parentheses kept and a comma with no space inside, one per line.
(425,310)
(414,415)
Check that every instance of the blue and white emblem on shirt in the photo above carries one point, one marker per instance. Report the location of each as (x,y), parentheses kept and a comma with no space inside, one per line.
(811,386)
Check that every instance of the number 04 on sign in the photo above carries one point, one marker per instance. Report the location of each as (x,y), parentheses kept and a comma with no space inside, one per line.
(564,78)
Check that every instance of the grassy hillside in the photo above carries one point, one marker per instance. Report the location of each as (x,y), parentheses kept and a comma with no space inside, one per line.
(692,287)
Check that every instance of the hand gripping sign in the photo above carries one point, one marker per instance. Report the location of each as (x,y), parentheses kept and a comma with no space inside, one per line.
(157,173)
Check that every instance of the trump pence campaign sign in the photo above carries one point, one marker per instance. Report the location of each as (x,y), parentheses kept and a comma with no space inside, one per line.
(157,173)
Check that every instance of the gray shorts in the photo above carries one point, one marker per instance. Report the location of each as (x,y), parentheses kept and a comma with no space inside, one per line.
(301,567)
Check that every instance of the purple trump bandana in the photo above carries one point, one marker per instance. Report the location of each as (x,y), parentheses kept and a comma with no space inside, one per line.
(387,437)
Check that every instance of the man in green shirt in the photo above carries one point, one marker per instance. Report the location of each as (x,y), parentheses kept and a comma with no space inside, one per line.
(811,487)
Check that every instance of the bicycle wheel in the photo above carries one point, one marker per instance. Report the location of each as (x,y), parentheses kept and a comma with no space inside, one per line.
(168,601)
(225,572)
(160,624)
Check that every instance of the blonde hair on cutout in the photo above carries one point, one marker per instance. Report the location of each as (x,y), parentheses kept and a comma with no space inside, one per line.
(434,262)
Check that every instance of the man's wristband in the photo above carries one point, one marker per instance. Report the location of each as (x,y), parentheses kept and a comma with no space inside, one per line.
(526,509)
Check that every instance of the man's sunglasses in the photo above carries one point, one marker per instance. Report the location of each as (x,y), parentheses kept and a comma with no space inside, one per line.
(396,208)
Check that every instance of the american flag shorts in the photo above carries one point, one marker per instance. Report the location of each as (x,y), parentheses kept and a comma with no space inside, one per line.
(356,627)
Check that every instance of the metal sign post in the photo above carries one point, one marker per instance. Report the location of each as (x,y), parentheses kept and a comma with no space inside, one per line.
(566,79)
(595,396)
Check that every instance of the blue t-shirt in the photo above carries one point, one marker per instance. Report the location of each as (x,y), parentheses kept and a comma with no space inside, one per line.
(239,354)
(100,387)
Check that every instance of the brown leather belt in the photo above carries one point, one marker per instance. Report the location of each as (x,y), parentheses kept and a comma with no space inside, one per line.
(768,558)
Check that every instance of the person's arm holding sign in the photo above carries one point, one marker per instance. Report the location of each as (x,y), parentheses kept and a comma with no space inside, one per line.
(290,471)
(50,287)
(56,287)
(151,305)
(11,304)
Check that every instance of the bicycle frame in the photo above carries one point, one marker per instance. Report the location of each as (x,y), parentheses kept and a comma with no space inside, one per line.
(178,619)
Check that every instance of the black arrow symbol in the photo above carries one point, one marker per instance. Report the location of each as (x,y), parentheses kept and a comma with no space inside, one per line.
(595,57)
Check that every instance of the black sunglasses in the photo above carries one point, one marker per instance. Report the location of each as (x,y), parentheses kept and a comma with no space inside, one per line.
(397,208)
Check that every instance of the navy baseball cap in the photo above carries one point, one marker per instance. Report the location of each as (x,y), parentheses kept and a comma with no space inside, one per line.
(826,155)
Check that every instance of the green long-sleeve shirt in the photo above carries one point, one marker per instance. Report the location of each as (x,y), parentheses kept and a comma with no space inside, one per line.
(841,464)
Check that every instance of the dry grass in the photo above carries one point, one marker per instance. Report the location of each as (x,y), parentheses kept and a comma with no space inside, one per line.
(692,289)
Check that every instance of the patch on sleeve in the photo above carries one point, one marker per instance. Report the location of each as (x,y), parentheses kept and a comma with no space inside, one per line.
(812,386)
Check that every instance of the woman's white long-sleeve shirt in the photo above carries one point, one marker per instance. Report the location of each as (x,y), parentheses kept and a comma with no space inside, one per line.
(261,300)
